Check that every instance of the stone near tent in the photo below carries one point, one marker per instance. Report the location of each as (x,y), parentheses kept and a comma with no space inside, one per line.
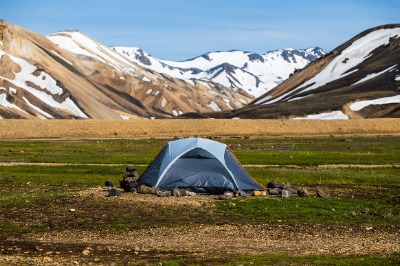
(242,193)
(303,192)
(130,168)
(164,193)
(190,194)
(109,183)
(229,193)
(286,186)
(176,193)
(225,197)
(146,190)
(128,186)
(321,194)
(258,193)
(274,191)
(286,193)
(114,193)
(272,184)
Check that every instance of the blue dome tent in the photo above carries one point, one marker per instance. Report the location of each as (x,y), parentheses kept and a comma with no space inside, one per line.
(198,165)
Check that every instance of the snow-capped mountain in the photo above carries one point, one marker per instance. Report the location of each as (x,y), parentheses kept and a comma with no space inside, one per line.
(359,79)
(252,72)
(71,75)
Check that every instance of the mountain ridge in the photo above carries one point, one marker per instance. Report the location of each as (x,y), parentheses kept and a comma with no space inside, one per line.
(257,73)
(358,79)
(69,75)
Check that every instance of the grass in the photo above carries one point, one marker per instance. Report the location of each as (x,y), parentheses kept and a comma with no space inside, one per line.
(30,193)
(285,259)
(377,150)
(328,211)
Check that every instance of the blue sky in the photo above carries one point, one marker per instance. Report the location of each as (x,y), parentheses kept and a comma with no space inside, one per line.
(179,29)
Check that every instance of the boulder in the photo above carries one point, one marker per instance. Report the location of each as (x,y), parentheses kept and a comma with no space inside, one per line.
(272,184)
(164,193)
(128,185)
(274,191)
(258,193)
(303,192)
(109,183)
(225,197)
(114,193)
(146,190)
(242,193)
(286,193)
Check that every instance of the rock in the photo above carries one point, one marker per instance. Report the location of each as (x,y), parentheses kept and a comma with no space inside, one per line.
(109,183)
(320,193)
(286,186)
(286,193)
(164,193)
(130,168)
(258,193)
(272,184)
(274,191)
(176,192)
(229,193)
(146,190)
(303,192)
(72,210)
(128,185)
(114,193)
(225,197)
(242,193)
(189,193)
(353,213)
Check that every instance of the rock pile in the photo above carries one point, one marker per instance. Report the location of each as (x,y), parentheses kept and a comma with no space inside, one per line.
(285,190)
(129,180)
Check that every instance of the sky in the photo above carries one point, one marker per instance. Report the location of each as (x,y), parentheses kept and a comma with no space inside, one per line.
(183,29)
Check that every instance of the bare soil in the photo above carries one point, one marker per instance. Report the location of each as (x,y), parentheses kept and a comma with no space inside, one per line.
(192,241)
(147,128)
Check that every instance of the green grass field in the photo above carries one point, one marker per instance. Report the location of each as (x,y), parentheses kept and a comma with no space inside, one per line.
(372,182)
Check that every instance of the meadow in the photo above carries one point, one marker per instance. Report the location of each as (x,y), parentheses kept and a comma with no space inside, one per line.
(41,181)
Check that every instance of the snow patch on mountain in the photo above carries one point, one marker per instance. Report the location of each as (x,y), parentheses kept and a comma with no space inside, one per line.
(371,76)
(78,43)
(352,56)
(37,108)
(47,84)
(252,72)
(385,100)
(334,115)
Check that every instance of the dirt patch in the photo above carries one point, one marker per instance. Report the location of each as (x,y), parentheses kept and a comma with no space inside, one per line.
(73,239)
(146,128)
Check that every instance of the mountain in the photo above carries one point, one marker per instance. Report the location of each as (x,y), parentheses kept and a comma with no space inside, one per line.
(252,72)
(358,79)
(69,75)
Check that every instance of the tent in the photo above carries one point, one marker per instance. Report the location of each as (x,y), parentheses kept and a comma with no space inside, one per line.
(198,165)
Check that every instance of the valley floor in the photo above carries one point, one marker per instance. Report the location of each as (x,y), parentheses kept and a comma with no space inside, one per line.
(147,128)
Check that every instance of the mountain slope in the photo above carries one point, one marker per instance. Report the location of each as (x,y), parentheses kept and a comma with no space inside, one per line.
(255,73)
(359,79)
(70,75)
(158,90)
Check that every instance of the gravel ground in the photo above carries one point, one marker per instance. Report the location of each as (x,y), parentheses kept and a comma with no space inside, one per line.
(78,247)
(145,128)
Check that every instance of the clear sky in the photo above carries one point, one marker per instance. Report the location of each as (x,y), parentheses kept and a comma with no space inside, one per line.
(182,29)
